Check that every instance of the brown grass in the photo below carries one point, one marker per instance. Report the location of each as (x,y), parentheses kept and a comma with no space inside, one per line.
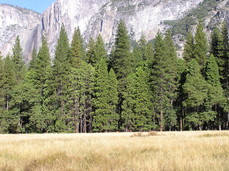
(174,151)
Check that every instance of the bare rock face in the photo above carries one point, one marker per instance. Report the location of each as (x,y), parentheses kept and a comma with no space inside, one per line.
(15,22)
(95,17)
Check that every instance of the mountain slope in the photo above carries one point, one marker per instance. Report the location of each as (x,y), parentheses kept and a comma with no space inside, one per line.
(95,17)
(17,21)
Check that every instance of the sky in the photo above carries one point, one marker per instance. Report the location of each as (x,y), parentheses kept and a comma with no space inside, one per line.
(36,5)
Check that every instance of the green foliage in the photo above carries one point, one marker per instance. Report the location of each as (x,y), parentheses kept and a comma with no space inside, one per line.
(188,53)
(91,52)
(121,62)
(105,99)
(77,51)
(201,46)
(137,104)
(163,75)
(195,90)
(17,58)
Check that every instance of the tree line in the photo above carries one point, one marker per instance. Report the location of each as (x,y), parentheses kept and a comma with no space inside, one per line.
(141,88)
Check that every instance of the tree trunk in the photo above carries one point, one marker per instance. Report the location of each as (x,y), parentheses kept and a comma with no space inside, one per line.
(161,117)
(7,103)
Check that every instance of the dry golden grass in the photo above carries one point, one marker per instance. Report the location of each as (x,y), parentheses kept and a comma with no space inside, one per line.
(174,151)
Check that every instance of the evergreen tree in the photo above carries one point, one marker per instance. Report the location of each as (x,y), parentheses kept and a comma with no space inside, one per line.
(34,55)
(60,74)
(137,113)
(181,73)
(172,80)
(196,92)
(140,52)
(149,52)
(77,52)
(3,121)
(162,80)
(9,83)
(225,68)
(188,53)
(217,47)
(215,94)
(100,51)
(79,98)
(28,97)
(17,58)
(113,100)
(201,46)
(121,62)
(91,52)
(104,117)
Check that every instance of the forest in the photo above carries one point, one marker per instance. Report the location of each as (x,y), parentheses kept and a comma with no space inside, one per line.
(85,88)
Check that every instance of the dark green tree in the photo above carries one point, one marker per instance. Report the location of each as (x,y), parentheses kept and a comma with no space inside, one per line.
(3,119)
(195,91)
(201,46)
(162,80)
(137,105)
(91,52)
(77,51)
(121,62)
(216,97)
(113,100)
(105,118)
(225,68)
(188,53)
(60,76)
(100,50)
(17,58)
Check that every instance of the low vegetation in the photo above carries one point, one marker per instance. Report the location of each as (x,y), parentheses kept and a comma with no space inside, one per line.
(115,151)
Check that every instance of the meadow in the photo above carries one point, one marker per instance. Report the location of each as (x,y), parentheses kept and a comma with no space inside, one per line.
(166,151)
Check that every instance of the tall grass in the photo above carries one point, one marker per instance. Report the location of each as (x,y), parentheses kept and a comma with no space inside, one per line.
(116,151)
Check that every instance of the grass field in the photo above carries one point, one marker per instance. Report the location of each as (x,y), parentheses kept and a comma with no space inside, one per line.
(167,151)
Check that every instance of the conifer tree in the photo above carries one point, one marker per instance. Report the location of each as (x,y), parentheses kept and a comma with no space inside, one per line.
(215,95)
(172,79)
(91,52)
(188,53)
(113,100)
(101,99)
(162,80)
(181,71)
(139,52)
(79,95)
(195,92)
(17,58)
(100,51)
(3,121)
(77,52)
(34,55)
(225,68)
(10,80)
(9,84)
(137,113)
(60,74)
(28,97)
(201,46)
(217,48)
(121,62)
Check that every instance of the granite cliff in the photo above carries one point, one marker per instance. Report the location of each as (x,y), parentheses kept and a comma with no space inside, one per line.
(95,17)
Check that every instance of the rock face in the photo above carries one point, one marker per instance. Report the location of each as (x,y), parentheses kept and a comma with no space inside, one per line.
(15,22)
(94,17)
